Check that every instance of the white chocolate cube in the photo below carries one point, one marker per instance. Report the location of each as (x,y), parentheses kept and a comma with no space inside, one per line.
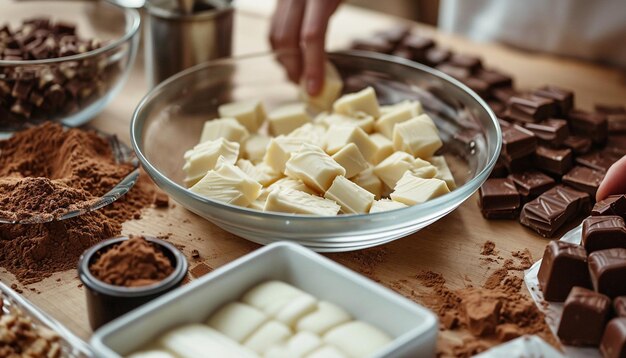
(360,119)
(362,101)
(411,190)
(259,203)
(326,352)
(249,113)
(203,157)
(229,184)
(331,89)
(314,167)
(299,345)
(352,198)
(291,183)
(357,339)
(338,137)
(393,168)
(351,159)
(237,320)
(261,172)
(384,148)
(295,309)
(279,151)
(370,182)
(443,171)
(285,119)
(326,317)
(311,133)
(199,340)
(418,137)
(415,107)
(269,293)
(297,202)
(385,124)
(227,128)
(269,334)
(385,205)
(255,146)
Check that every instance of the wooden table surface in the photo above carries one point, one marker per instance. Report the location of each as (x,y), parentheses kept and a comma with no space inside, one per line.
(450,246)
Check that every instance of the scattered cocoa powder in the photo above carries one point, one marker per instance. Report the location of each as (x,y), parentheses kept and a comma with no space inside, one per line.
(489,248)
(80,161)
(134,262)
(200,270)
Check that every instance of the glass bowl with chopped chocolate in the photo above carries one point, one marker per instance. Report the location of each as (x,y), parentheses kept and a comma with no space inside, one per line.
(62,67)
(387,148)
(123,273)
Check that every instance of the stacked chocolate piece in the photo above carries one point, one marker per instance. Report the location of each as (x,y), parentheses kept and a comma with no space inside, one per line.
(591,279)
(32,92)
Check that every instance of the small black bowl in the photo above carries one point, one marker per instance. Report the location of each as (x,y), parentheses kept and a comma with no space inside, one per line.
(106,302)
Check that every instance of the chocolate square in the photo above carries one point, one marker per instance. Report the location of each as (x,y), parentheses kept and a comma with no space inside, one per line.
(584,179)
(563,99)
(528,108)
(608,271)
(599,160)
(374,44)
(417,45)
(613,343)
(436,55)
(579,145)
(603,232)
(591,125)
(612,205)
(619,306)
(495,78)
(498,197)
(459,73)
(472,63)
(503,94)
(517,141)
(531,184)
(564,266)
(553,161)
(585,314)
(552,132)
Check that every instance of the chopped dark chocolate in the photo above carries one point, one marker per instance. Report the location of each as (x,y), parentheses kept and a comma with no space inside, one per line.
(615,115)
(585,179)
(603,232)
(531,184)
(499,170)
(498,198)
(585,314)
(394,35)
(494,78)
(375,44)
(563,99)
(517,165)
(472,63)
(600,160)
(528,108)
(418,45)
(503,94)
(619,306)
(454,71)
(578,144)
(552,209)
(517,141)
(553,161)
(592,125)
(497,107)
(612,205)
(564,266)
(613,344)
(551,132)
(608,271)
(477,85)
(436,55)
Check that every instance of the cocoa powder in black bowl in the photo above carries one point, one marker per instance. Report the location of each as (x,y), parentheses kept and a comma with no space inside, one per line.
(124,273)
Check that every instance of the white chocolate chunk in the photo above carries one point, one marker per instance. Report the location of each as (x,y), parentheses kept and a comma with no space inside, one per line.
(352,198)
(261,172)
(370,182)
(385,124)
(311,133)
(227,183)
(227,128)
(384,148)
(269,334)
(203,157)
(295,309)
(279,151)
(415,107)
(152,353)
(299,345)
(362,101)
(259,203)
(285,119)
(360,119)
(326,352)
(331,89)
(412,190)
(237,321)
(254,147)
(385,205)
(291,183)
(326,317)
(269,294)
(338,137)
(297,202)
(250,113)
(351,159)
(443,171)
(418,137)
(314,167)
(357,339)
(199,340)
(393,168)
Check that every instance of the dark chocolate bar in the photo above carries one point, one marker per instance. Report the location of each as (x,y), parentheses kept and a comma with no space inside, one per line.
(553,161)
(578,145)
(585,314)
(526,108)
(608,271)
(612,205)
(374,44)
(564,266)
(600,159)
(585,179)
(436,55)
(619,306)
(592,125)
(517,142)
(472,63)
(503,94)
(394,35)
(417,45)
(532,183)
(615,115)
(563,99)
(603,232)
(498,198)
(499,170)
(551,132)
(459,73)
(494,78)
(517,165)
(613,344)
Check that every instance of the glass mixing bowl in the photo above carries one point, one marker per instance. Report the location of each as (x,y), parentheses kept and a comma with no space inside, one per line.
(88,80)
(169,121)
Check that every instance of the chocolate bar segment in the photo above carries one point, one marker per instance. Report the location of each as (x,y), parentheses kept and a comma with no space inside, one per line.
(584,179)
(394,35)
(526,108)
(531,184)
(563,99)
(585,314)
(460,73)
(552,209)
(436,55)
(498,199)
(613,343)
(472,63)
(374,44)
(608,271)
(553,161)
(603,232)
(552,132)
(417,45)
(612,205)
(615,115)
(564,266)
(592,125)
(517,141)
(600,160)
(619,306)
(578,145)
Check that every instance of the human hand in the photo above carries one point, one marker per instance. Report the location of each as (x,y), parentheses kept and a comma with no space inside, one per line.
(302,24)
(614,181)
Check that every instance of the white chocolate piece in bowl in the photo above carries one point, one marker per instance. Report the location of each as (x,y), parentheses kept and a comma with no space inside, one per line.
(393,168)
(338,136)
(418,137)
(279,151)
(250,113)
(297,202)
(386,123)
(326,352)
(285,119)
(359,119)
(269,334)
(352,198)
(198,340)
(255,146)
(311,133)
(384,148)
(262,173)
(357,339)
(203,157)
(443,170)
(386,205)
(237,320)
(370,182)
(351,159)
(299,345)
(331,89)
(227,128)
(363,101)
(326,317)
(414,106)
(314,167)
(412,190)
(292,183)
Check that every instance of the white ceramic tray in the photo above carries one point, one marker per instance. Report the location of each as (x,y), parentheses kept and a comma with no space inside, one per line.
(413,327)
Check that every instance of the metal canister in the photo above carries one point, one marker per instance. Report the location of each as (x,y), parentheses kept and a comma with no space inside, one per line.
(176,41)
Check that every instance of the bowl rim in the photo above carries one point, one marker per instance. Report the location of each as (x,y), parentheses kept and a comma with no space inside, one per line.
(137,123)
(132,18)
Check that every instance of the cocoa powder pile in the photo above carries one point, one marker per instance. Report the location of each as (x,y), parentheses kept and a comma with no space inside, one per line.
(134,262)
(44,169)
